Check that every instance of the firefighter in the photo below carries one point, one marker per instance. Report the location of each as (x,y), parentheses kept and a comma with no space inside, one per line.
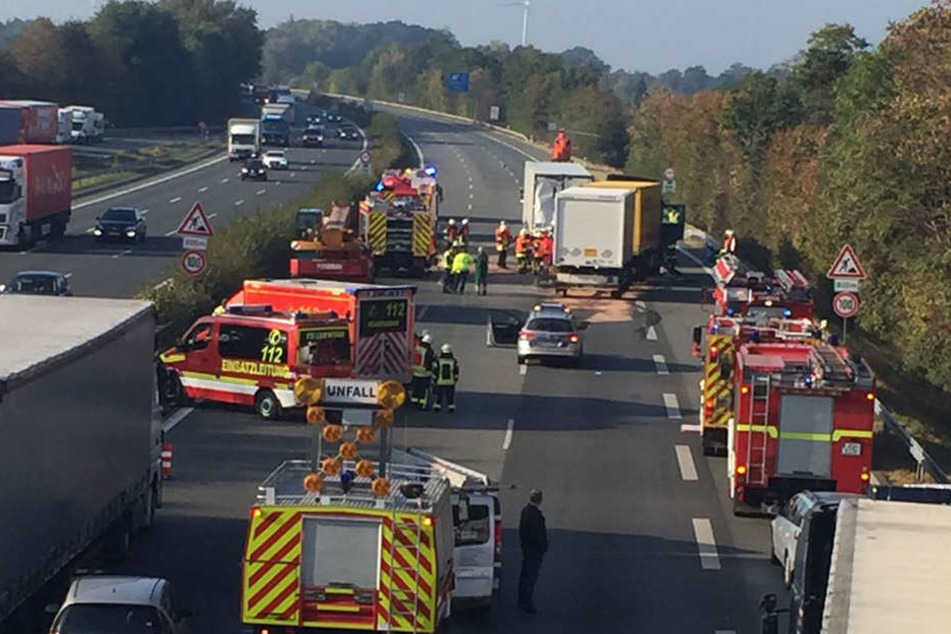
(423,357)
(543,248)
(464,231)
(729,243)
(561,147)
(533,536)
(461,264)
(446,266)
(537,252)
(452,231)
(503,237)
(523,250)
(446,375)
(482,271)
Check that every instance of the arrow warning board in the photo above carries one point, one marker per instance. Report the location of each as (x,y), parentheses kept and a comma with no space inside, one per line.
(196,223)
(846,266)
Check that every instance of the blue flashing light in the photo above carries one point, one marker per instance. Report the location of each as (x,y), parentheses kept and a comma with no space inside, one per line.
(430,170)
(809,380)
(730,312)
(346,479)
(379,186)
(787,313)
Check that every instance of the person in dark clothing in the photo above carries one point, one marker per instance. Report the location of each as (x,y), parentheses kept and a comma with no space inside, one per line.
(534,540)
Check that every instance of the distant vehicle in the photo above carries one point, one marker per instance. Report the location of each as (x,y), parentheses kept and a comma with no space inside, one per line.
(38,283)
(334,117)
(551,333)
(254,169)
(120,605)
(127,223)
(348,133)
(275,160)
(244,138)
(64,126)
(786,526)
(314,119)
(88,125)
(313,137)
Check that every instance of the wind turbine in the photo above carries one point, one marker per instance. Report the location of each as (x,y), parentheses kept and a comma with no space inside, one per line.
(526,4)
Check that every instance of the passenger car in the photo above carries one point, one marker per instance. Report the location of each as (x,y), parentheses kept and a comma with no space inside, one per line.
(551,333)
(254,169)
(126,223)
(313,137)
(348,132)
(275,160)
(38,283)
(119,605)
(786,526)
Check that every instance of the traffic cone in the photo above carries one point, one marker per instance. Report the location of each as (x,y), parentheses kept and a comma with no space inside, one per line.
(167,461)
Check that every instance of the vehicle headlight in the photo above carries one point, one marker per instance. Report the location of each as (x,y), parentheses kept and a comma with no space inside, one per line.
(130,233)
(97,231)
(244,169)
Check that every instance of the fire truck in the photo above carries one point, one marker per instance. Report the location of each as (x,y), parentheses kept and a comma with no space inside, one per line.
(721,337)
(802,419)
(400,216)
(331,246)
(380,318)
(740,291)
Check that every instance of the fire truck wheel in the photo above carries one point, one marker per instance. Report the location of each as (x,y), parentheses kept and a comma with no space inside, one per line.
(267,405)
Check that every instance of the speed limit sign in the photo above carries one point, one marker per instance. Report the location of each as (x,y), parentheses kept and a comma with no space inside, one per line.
(845,304)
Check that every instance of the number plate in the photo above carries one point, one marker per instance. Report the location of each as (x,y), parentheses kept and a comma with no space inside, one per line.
(851,449)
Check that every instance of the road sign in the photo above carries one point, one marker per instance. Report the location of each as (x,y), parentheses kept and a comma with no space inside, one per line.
(670,174)
(458,82)
(846,266)
(845,285)
(494,113)
(193,262)
(669,187)
(365,157)
(552,126)
(196,223)
(845,304)
(194,243)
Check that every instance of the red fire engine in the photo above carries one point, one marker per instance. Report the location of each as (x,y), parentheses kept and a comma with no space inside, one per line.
(739,291)
(331,246)
(400,217)
(802,420)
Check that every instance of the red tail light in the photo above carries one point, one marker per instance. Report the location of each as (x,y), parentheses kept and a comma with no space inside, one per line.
(498,540)
(526,334)
(574,338)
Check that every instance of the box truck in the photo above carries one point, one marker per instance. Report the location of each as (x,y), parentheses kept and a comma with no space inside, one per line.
(87,125)
(80,435)
(38,120)
(35,192)
(244,138)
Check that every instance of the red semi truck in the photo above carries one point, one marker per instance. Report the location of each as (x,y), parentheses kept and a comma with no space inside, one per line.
(39,120)
(35,192)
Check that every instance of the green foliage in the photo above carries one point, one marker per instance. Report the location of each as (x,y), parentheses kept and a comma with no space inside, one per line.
(828,56)
(10,30)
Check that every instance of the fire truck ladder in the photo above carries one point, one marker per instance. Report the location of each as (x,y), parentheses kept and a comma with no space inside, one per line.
(758,442)
(409,536)
(835,369)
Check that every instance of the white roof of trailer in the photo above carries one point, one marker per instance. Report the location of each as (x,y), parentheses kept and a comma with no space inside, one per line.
(548,168)
(39,329)
(595,193)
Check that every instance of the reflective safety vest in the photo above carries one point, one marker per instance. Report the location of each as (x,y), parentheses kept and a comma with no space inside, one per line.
(461,263)
(447,259)
(447,370)
(420,367)
(502,238)
(219,310)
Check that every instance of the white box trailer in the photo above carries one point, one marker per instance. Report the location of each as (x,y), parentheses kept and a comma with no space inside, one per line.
(80,433)
(542,181)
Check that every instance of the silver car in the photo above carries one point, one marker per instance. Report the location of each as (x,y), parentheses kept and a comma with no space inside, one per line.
(551,333)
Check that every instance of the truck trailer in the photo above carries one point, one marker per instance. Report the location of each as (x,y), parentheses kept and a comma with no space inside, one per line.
(35,192)
(244,138)
(87,125)
(80,434)
(38,120)
(542,180)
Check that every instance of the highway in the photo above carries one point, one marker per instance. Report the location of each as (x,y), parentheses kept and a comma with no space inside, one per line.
(642,534)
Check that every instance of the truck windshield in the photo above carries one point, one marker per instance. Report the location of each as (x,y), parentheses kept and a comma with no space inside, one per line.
(78,126)
(242,139)
(102,618)
(9,190)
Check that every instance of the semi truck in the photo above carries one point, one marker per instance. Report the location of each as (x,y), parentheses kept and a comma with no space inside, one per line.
(35,192)
(276,120)
(244,138)
(80,435)
(542,180)
(607,235)
(38,120)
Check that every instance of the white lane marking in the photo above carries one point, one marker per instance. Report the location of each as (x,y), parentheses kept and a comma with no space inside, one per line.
(118,255)
(673,407)
(661,364)
(470,179)
(688,471)
(171,233)
(470,186)
(706,545)
(162,284)
(651,334)
(175,418)
(640,304)
(419,150)
(238,202)
(90,229)
(202,190)
(470,206)
(260,192)
(151,183)
(422,313)
(694,429)
(175,200)
(293,174)
(212,215)
(471,196)
(67,275)
(225,180)
(511,147)
(145,212)
(509,430)
(523,369)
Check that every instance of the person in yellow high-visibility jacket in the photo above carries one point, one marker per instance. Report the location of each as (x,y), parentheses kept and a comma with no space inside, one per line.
(461,264)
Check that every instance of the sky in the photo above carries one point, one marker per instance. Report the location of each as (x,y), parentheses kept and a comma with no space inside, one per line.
(652,36)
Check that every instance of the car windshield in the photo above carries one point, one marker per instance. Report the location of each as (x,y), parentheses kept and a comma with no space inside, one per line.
(119,215)
(546,324)
(109,619)
(33,284)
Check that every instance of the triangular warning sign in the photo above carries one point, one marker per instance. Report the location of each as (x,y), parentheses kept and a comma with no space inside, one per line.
(846,266)
(196,223)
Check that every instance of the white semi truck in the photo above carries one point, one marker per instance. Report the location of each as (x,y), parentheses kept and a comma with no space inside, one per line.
(88,126)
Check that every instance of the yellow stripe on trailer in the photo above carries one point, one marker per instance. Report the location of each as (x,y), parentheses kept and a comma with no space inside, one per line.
(422,235)
(377,232)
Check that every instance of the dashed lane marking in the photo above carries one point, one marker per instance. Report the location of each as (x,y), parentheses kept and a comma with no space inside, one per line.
(523,369)
(293,174)
(145,212)
(175,418)
(171,233)
(661,364)
(509,431)
(67,275)
(470,206)
(706,545)
(202,190)
(688,471)
(175,200)
(225,180)
(90,229)
(260,192)
(471,195)
(238,202)
(693,429)
(121,253)
(673,407)
(651,334)
(212,214)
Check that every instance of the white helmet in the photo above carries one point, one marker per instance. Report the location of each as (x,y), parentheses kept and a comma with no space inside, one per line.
(465,221)
(452,221)
(427,338)
(729,232)
(524,231)
(502,223)
(446,348)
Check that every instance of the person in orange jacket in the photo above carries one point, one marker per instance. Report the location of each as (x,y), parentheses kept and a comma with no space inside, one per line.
(503,238)
(546,247)
(561,147)
(523,250)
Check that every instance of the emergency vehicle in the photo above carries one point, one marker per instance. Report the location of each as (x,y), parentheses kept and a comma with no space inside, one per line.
(740,291)
(252,355)
(380,318)
(803,419)
(722,337)
(400,217)
(330,246)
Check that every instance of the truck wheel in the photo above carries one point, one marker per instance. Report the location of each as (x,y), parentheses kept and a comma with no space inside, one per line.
(58,229)
(267,405)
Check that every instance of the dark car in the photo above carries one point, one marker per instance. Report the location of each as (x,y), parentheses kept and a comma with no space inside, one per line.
(124,223)
(254,169)
(313,137)
(38,283)
(334,117)
(313,119)
(348,133)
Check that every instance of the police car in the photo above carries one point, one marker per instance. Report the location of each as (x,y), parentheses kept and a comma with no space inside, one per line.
(550,332)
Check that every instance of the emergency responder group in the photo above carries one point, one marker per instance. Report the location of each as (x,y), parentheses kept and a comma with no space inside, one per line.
(434,377)
(533,250)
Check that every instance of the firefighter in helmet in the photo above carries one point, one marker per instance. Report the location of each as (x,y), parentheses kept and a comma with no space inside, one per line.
(423,357)
(446,375)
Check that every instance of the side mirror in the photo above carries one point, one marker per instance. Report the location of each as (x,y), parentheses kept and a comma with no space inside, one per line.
(698,335)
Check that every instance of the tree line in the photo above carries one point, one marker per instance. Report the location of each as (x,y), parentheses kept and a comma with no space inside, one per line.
(173,62)
(850,146)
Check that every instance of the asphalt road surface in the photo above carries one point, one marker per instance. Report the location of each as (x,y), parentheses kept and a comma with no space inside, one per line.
(641,528)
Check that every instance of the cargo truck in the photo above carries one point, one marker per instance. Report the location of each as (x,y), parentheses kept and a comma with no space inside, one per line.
(87,125)
(607,235)
(244,138)
(38,120)
(276,122)
(542,180)
(80,435)
(35,192)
